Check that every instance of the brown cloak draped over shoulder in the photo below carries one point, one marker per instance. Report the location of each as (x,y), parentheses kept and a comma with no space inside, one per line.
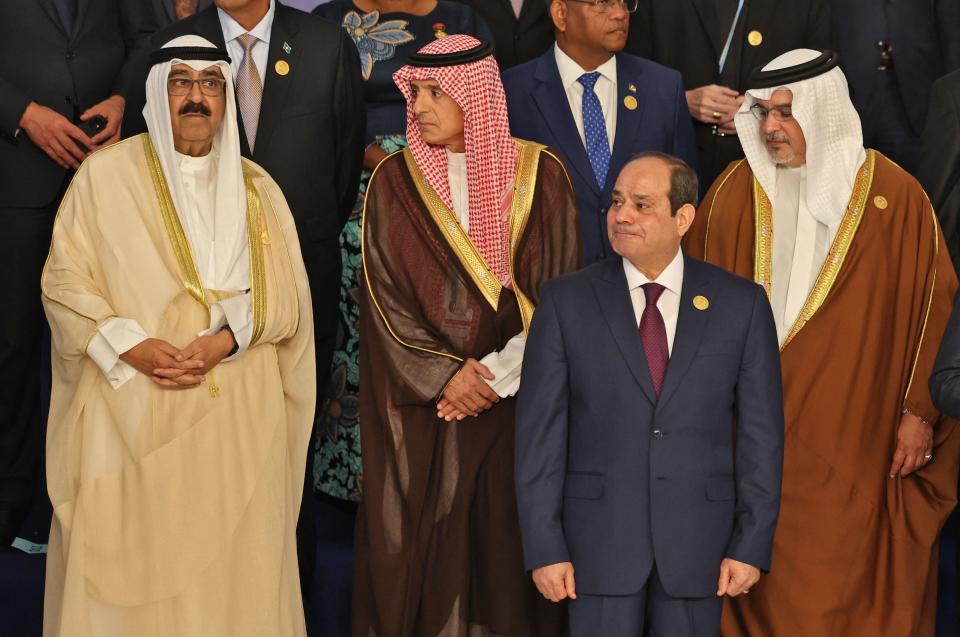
(855,551)
(438,541)
(174,510)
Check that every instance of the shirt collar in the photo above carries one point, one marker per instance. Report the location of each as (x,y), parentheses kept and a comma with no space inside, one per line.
(570,71)
(232,29)
(671,278)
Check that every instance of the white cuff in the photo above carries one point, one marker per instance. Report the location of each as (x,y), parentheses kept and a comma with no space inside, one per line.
(505,366)
(237,312)
(113,338)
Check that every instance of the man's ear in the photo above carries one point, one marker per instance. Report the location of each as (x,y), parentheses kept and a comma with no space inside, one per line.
(685,216)
(558,12)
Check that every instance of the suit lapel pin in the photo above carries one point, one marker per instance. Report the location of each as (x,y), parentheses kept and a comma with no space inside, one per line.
(630,102)
(754,38)
(701,302)
(287,48)
(281,67)
(632,88)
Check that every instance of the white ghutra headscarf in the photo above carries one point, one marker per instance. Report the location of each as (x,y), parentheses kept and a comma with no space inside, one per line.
(220,234)
(831,129)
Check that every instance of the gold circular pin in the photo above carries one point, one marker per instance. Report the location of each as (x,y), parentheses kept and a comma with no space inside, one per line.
(281,67)
(701,302)
(754,38)
(630,102)
(880,202)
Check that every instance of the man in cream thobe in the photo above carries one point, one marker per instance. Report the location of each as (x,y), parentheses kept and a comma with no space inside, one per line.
(183,377)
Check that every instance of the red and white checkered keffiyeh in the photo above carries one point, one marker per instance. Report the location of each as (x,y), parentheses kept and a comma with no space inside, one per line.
(490,150)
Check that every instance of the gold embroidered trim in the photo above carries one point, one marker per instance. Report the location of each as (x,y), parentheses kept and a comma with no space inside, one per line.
(256,229)
(763,237)
(926,315)
(366,276)
(467,253)
(524,186)
(178,240)
(706,233)
(838,250)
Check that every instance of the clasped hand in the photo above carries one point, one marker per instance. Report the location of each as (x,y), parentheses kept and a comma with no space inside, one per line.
(467,393)
(171,367)
(63,141)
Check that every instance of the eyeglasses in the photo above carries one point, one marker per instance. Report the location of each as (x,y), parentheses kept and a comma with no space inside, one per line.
(603,6)
(782,113)
(209,86)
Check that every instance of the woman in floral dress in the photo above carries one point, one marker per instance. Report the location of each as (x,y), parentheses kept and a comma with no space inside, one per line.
(385,32)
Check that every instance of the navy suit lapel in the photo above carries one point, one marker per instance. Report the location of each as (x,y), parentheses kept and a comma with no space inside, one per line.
(610,288)
(276,86)
(82,7)
(628,121)
(691,324)
(551,99)
(707,12)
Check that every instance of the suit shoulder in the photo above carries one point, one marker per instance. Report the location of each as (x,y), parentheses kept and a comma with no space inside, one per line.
(721,278)
(521,72)
(573,282)
(311,23)
(656,72)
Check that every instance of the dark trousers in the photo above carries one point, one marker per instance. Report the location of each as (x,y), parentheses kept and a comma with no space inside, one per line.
(886,127)
(26,240)
(651,612)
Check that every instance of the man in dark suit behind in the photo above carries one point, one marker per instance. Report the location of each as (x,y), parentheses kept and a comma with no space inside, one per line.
(519,37)
(631,105)
(308,135)
(891,53)
(691,36)
(61,62)
(939,170)
(649,444)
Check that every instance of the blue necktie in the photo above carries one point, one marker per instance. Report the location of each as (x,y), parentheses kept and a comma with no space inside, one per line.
(595,128)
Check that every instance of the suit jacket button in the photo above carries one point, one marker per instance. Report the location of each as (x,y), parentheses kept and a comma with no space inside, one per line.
(657,433)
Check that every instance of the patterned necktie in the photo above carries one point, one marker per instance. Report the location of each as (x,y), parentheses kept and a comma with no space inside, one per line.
(653,334)
(595,128)
(249,89)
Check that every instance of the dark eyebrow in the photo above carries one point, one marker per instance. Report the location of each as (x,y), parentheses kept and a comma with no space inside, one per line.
(639,196)
(210,73)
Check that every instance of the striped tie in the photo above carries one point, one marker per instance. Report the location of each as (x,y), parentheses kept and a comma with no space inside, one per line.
(249,89)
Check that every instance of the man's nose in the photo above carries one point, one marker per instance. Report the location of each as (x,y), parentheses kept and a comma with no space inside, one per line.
(619,10)
(769,125)
(195,94)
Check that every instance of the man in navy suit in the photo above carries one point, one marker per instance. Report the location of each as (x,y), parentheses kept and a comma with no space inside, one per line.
(597,107)
(649,443)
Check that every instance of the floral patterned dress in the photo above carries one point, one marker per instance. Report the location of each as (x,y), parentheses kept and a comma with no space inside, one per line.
(383,42)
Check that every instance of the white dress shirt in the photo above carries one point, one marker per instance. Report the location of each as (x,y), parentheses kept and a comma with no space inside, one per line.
(669,302)
(505,364)
(232,30)
(800,245)
(117,335)
(605,88)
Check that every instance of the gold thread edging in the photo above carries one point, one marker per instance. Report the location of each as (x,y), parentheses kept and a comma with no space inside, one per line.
(258,273)
(524,186)
(178,240)
(466,252)
(706,232)
(926,315)
(763,235)
(366,276)
(839,249)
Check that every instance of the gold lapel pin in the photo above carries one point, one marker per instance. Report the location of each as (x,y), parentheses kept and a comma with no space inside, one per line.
(880,202)
(281,67)
(632,88)
(755,38)
(701,302)
(630,102)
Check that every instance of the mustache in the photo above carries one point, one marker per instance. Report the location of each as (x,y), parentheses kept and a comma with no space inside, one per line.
(775,137)
(194,107)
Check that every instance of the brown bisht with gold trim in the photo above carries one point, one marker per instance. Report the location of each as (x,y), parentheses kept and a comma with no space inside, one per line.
(855,551)
(174,511)
(438,541)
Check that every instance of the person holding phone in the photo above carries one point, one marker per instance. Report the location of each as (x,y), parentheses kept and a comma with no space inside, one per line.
(62,67)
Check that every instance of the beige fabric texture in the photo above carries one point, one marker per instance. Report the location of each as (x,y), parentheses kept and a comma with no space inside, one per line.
(174,511)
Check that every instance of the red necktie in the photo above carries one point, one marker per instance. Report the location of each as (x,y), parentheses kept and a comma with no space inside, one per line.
(653,334)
